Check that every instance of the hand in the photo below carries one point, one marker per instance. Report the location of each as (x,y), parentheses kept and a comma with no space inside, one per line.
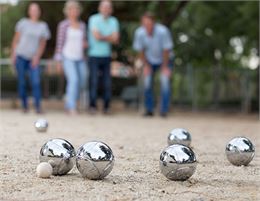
(13,59)
(85,45)
(99,36)
(59,68)
(35,62)
(13,62)
(166,70)
(147,69)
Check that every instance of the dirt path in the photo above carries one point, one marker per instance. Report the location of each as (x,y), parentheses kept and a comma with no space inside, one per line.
(136,143)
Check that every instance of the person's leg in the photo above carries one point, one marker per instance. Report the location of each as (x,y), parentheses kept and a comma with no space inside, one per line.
(93,67)
(35,78)
(83,75)
(165,81)
(106,83)
(148,91)
(70,70)
(21,68)
(165,93)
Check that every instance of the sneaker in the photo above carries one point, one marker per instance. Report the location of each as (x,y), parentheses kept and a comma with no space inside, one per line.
(39,111)
(72,112)
(25,110)
(163,114)
(107,111)
(92,110)
(148,114)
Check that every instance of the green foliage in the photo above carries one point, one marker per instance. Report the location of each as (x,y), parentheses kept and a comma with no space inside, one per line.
(8,21)
(210,26)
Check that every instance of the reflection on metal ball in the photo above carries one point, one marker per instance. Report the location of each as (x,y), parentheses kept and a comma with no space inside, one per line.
(95,160)
(240,151)
(41,125)
(177,162)
(179,136)
(60,154)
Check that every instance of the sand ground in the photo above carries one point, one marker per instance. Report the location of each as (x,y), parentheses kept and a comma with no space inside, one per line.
(136,143)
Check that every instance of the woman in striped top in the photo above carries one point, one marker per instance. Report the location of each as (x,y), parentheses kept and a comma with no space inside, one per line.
(70,51)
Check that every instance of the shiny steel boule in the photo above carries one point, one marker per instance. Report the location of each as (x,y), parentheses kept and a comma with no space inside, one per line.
(95,160)
(60,154)
(41,125)
(240,151)
(177,162)
(179,136)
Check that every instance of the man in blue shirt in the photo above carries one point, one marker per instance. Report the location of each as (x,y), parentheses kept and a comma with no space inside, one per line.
(154,43)
(103,32)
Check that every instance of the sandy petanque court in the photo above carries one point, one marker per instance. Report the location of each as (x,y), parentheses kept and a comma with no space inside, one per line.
(136,143)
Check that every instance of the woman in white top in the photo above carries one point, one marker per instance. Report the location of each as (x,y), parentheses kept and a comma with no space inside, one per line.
(70,48)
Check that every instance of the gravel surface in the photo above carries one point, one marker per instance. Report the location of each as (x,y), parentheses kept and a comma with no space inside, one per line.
(137,143)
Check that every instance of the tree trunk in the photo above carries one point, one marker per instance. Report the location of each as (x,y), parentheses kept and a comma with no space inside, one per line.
(169,19)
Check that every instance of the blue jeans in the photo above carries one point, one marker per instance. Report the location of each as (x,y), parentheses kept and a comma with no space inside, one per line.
(100,65)
(23,67)
(165,90)
(76,75)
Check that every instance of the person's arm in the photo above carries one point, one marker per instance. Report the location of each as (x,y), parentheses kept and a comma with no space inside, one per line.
(45,35)
(139,47)
(167,46)
(143,58)
(146,65)
(113,38)
(96,34)
(18,31)
(60,37)
(85,43)
(39,53)
(166,54)
(92,27)
(84,29)
(14,44)
(165,65)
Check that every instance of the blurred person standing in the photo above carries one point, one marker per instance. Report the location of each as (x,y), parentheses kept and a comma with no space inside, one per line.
(28,45)
(70,50)
(103,32)
(154,43)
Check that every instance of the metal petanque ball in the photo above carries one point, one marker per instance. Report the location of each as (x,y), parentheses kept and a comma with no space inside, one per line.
(41,125)
(60,154)
(179,136)
(95,160)
(240,151)
(177,162)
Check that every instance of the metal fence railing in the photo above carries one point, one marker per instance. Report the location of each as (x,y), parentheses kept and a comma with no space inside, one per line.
(197,88)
